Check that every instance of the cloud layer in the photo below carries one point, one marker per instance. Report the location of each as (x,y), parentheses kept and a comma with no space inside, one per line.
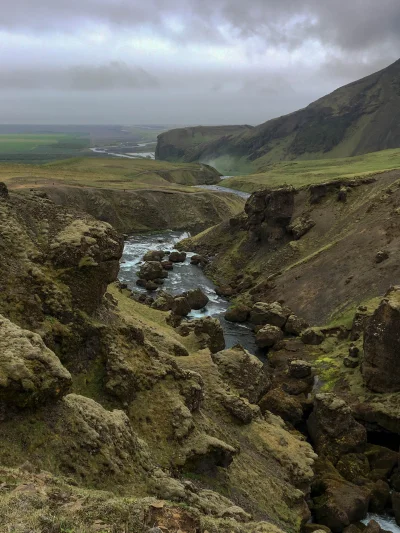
(220,55)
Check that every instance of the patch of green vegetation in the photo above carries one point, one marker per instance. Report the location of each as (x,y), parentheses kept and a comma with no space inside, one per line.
(108,172)
(301,173)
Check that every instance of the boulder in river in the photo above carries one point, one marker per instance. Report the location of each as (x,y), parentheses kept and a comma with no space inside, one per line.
(167,265)
(177,257)
(197,299)
(380,368)
(238,313)
(198,260)
(151,270)
(181,306)
(153,255)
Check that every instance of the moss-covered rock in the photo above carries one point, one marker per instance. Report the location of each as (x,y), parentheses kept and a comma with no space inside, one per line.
(30,373)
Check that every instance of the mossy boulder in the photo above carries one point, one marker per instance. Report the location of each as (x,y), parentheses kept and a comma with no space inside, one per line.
(197,299)
(281,404)
(380,367)
(238,313)
(269,313)
(209,334)
(268,336)
(333,429)
(205,454)
(244,372)
(312,336)
(151,270)
(30,373)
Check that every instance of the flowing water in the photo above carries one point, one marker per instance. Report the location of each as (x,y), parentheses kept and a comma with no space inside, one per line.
(182,278)
(386,522)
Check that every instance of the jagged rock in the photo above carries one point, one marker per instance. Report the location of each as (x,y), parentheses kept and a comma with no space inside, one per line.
(93,442)
(342,194)
(197,299)
(337,502)
(359,323)
(281,404)
(240,408)
(380,496)
(244,372)
(396,506)
(205,454)
(354,352)
(237,313)
(269,212)
(173,320)
(353,467)
(268,336)
(87,253)
(153,255)
(382,461)
(299,369)
(151,270)
(192,390)
(181,306)
(182,422)
(163,302)
(312,336)
(198,260)
(225,291)
(350,362)
(3,190)
(381,256)
(167,265)
(333,429)
(300,226)
(295,325)
(177,257)
(380,367)
(30,373)
(209,333)
(273,314)
(151,285)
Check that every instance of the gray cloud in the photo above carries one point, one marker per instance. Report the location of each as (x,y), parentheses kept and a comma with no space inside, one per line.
(202,61)
(114,75)
(346,24)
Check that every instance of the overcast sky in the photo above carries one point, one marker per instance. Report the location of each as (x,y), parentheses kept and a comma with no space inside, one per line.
(184,61)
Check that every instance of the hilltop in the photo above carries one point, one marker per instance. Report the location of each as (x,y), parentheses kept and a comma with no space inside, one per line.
(131,194)
(358,118)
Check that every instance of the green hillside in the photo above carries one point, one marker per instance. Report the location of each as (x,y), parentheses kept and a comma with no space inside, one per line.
(359,118)
(301,173)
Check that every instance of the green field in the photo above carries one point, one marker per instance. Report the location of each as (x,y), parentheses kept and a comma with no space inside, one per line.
(106,172)
(300,173)
(38,147)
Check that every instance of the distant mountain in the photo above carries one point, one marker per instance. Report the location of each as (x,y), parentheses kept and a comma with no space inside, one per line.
(358,118)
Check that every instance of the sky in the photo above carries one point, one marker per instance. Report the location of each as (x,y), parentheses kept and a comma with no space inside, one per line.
(185,61)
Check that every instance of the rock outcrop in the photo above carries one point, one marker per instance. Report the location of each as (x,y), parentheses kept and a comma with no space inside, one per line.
(333,429)
(30,373)
(380,367)
(244,372)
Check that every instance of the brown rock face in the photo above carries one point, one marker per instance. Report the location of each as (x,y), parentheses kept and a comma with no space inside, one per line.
(333,428)
(381,369)
(269,213)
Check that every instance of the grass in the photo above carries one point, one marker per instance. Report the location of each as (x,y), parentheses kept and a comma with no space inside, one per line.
(303,172)
(104,173)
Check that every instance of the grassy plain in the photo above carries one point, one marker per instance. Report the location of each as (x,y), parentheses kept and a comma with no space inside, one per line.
(105,172)
(303,172)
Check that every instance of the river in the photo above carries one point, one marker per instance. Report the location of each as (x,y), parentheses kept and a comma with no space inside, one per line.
(182,278)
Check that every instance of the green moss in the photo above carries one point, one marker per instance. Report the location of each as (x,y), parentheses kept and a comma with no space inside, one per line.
(87,261)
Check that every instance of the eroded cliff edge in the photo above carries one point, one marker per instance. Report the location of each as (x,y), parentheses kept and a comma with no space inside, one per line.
(101,425)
